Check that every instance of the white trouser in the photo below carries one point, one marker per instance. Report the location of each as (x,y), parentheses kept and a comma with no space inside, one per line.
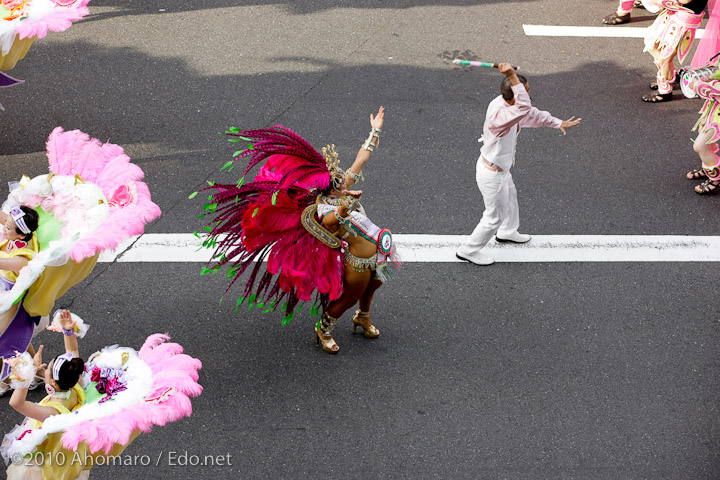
(501,215)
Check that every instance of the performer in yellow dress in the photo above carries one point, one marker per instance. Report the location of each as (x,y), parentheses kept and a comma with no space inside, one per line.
(63,383)
(18,247)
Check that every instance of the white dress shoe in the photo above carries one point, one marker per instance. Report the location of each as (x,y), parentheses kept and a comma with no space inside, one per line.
(477,258)
(514,238)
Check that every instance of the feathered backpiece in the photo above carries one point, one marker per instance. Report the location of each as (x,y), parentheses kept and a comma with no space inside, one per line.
(261,220)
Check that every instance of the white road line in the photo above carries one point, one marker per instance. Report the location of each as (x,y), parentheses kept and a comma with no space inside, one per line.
(608,32)
(185,247)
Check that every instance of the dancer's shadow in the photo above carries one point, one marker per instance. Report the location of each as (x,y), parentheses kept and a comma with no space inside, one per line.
(168,115)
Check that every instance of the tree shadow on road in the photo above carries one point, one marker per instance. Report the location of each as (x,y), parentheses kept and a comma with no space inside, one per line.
(140,7)
(434,118)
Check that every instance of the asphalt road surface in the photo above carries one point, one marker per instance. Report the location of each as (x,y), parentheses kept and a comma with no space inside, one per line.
(514,371)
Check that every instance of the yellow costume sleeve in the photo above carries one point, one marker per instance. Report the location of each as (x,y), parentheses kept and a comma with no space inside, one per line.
(53,283)
(29,252)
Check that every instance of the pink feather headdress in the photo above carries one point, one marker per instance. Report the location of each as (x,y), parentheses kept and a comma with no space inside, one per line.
(261,220)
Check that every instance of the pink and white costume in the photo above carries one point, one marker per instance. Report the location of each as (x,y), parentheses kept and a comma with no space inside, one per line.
(625,6)
(673,32)
(502,126)
(708,127)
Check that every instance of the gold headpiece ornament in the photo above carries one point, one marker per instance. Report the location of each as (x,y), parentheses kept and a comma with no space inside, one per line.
(337,175)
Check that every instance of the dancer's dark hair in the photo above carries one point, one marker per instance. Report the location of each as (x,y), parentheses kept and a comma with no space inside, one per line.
(31,220)
(69,373)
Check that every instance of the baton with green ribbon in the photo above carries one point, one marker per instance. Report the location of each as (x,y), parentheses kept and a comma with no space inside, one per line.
(470,63)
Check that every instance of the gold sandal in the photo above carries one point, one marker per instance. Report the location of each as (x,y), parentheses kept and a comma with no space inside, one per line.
(369,330)
(323,333)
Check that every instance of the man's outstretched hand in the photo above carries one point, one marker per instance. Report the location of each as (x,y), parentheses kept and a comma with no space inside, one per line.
(569,123)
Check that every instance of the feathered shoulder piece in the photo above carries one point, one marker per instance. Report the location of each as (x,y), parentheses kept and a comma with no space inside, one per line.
(261,220)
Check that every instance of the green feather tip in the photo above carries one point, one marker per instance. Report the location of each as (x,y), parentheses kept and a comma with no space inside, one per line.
(288,318)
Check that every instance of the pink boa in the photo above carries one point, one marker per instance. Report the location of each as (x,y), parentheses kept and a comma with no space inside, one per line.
(171,369)
(58,21)
(107,166)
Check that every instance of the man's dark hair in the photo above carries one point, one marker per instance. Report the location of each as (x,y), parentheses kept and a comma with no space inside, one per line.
(506,87)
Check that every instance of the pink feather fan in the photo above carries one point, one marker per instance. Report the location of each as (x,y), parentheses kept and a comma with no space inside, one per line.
(58,21)
(172,371)
(107,166)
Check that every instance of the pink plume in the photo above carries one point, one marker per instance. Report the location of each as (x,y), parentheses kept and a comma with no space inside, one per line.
(108,167)
(170,369)
(58,21)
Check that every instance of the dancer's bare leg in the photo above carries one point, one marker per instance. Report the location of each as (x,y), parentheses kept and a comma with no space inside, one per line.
(708,153)
(367,296)
(354,285)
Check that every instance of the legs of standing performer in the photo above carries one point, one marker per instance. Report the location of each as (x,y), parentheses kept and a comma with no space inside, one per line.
(501,215)
(708,153)
(622,15)
(665,77)
(356,286)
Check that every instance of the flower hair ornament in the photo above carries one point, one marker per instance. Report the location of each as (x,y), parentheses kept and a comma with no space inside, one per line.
(337,175)
(17,216)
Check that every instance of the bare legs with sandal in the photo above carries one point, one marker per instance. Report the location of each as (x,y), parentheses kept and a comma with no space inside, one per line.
(358,286)
(708,153)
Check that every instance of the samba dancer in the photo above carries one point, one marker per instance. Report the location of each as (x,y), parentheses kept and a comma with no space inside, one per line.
(672,34)
(506,115)
(299,214)
(365,256)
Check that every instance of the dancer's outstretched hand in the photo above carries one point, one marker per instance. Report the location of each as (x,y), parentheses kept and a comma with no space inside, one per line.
(65,322)
(376,121)
(570,122)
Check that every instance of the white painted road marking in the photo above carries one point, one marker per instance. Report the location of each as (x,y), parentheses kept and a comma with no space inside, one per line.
(185,247)
(608,32)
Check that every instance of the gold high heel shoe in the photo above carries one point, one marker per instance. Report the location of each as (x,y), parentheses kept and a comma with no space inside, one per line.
(323,333)
(369,330)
